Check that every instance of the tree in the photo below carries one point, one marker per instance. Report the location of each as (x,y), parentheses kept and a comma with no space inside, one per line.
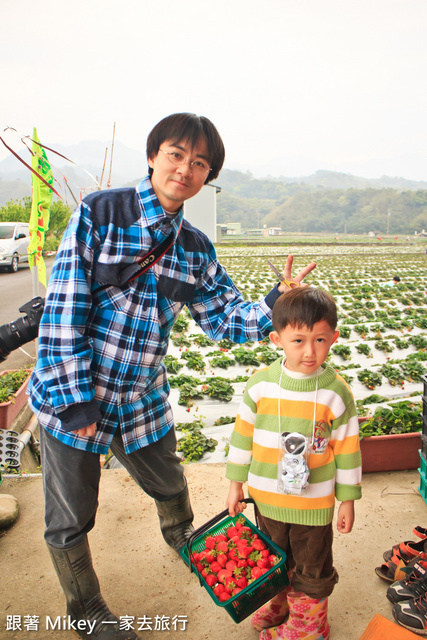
(20,210)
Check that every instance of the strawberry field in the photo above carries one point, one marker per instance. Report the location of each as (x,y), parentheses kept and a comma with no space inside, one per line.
(381,351)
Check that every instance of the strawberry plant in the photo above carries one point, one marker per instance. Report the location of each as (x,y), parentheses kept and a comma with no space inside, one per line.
(342,350)
(401,417)
(194,444)
(369,378)
(180,340)
(194,360)
(202,340)
(345,332)
(172,364)
(224,420)
(245,357)
(219,388)
(419,341)
(384,345)
(393,375)
(10,383)
(176,382)
(195,425)
(189,392)
(222,361)
(364,348)
(412,370)
(266,354)
(225,343)
(181,324)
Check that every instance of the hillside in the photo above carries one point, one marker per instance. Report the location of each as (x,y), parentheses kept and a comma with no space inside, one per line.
(324,201)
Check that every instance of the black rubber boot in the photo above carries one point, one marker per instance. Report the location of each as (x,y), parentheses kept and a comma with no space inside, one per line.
(90,616)
(176,517)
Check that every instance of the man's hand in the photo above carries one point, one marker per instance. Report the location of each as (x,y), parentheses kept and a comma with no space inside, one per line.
(299,278)
(86,431)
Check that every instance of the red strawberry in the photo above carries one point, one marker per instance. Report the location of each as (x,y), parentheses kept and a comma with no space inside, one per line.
(210,542)
(216,566)
(218,589)
(211,580)
(222,559)
(224,596)
(242,563)
(235,591)
(256,573)
(230,585)
(242,582)
(273,559)
(245,551)
(221,537)
(231,565)
(258,544)
(222,546)
(231,532)
(223,575)
(209,557)
(262,564)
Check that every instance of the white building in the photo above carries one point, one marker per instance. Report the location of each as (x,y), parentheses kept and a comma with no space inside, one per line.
(201,210)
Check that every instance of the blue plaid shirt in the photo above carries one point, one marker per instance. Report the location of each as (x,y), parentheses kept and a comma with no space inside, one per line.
(102,340)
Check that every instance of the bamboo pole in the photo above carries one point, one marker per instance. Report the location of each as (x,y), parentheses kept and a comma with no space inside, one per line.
(111,157)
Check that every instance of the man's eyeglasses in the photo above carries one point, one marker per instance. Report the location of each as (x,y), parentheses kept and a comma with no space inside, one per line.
(176,157)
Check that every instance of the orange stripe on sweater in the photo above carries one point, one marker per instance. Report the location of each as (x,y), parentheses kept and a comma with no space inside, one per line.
(291,502)
(293,409)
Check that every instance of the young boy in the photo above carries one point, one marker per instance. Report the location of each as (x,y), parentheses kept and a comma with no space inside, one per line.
(296,443)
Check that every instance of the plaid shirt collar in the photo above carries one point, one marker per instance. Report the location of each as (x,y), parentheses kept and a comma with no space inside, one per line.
(153,214)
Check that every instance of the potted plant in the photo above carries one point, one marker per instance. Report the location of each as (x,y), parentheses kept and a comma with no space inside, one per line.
(13,387)
(391,438)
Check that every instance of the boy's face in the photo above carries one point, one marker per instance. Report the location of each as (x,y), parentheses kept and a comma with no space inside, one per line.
(175,183)
(305,349)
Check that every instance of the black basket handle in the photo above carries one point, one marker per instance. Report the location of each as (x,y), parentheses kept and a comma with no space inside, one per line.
(205,527)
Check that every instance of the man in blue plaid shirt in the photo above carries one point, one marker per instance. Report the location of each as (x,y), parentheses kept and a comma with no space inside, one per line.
(127,265)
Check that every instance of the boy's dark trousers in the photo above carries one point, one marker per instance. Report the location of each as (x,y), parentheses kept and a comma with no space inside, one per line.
(309,554)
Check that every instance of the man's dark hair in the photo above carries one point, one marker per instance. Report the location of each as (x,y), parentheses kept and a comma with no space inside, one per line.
(304,306)
(396,279)
(188,126)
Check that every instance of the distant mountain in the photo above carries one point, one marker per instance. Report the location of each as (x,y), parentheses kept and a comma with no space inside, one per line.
(337,180)
(129,165)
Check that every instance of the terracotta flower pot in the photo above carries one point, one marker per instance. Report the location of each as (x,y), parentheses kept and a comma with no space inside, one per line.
(9,410)
(394,452)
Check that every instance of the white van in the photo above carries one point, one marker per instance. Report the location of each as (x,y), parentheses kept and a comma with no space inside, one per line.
(14,241)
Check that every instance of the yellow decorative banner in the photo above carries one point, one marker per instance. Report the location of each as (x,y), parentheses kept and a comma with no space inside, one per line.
(40,207)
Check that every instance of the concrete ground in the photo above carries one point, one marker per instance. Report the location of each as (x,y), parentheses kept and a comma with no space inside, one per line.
(140,576)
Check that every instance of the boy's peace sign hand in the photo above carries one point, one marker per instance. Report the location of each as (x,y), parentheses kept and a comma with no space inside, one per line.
(297,281)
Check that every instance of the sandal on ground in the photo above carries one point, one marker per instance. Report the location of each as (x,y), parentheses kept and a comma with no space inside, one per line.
(398,568)
(407,549)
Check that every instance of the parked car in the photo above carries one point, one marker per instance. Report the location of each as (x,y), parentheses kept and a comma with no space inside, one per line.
(14,241)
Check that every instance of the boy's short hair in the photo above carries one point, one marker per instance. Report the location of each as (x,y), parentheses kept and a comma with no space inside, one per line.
(304,306)
(188,126)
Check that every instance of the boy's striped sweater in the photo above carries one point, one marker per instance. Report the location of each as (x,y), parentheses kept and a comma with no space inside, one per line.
(254,451)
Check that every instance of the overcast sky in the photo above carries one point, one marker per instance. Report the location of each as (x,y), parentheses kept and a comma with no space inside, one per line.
(292,85)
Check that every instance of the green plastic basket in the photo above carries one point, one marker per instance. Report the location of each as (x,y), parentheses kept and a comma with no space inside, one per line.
(260,590)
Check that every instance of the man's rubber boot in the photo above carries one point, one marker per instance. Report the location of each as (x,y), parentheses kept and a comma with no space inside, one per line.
(84,600)
(176,517)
